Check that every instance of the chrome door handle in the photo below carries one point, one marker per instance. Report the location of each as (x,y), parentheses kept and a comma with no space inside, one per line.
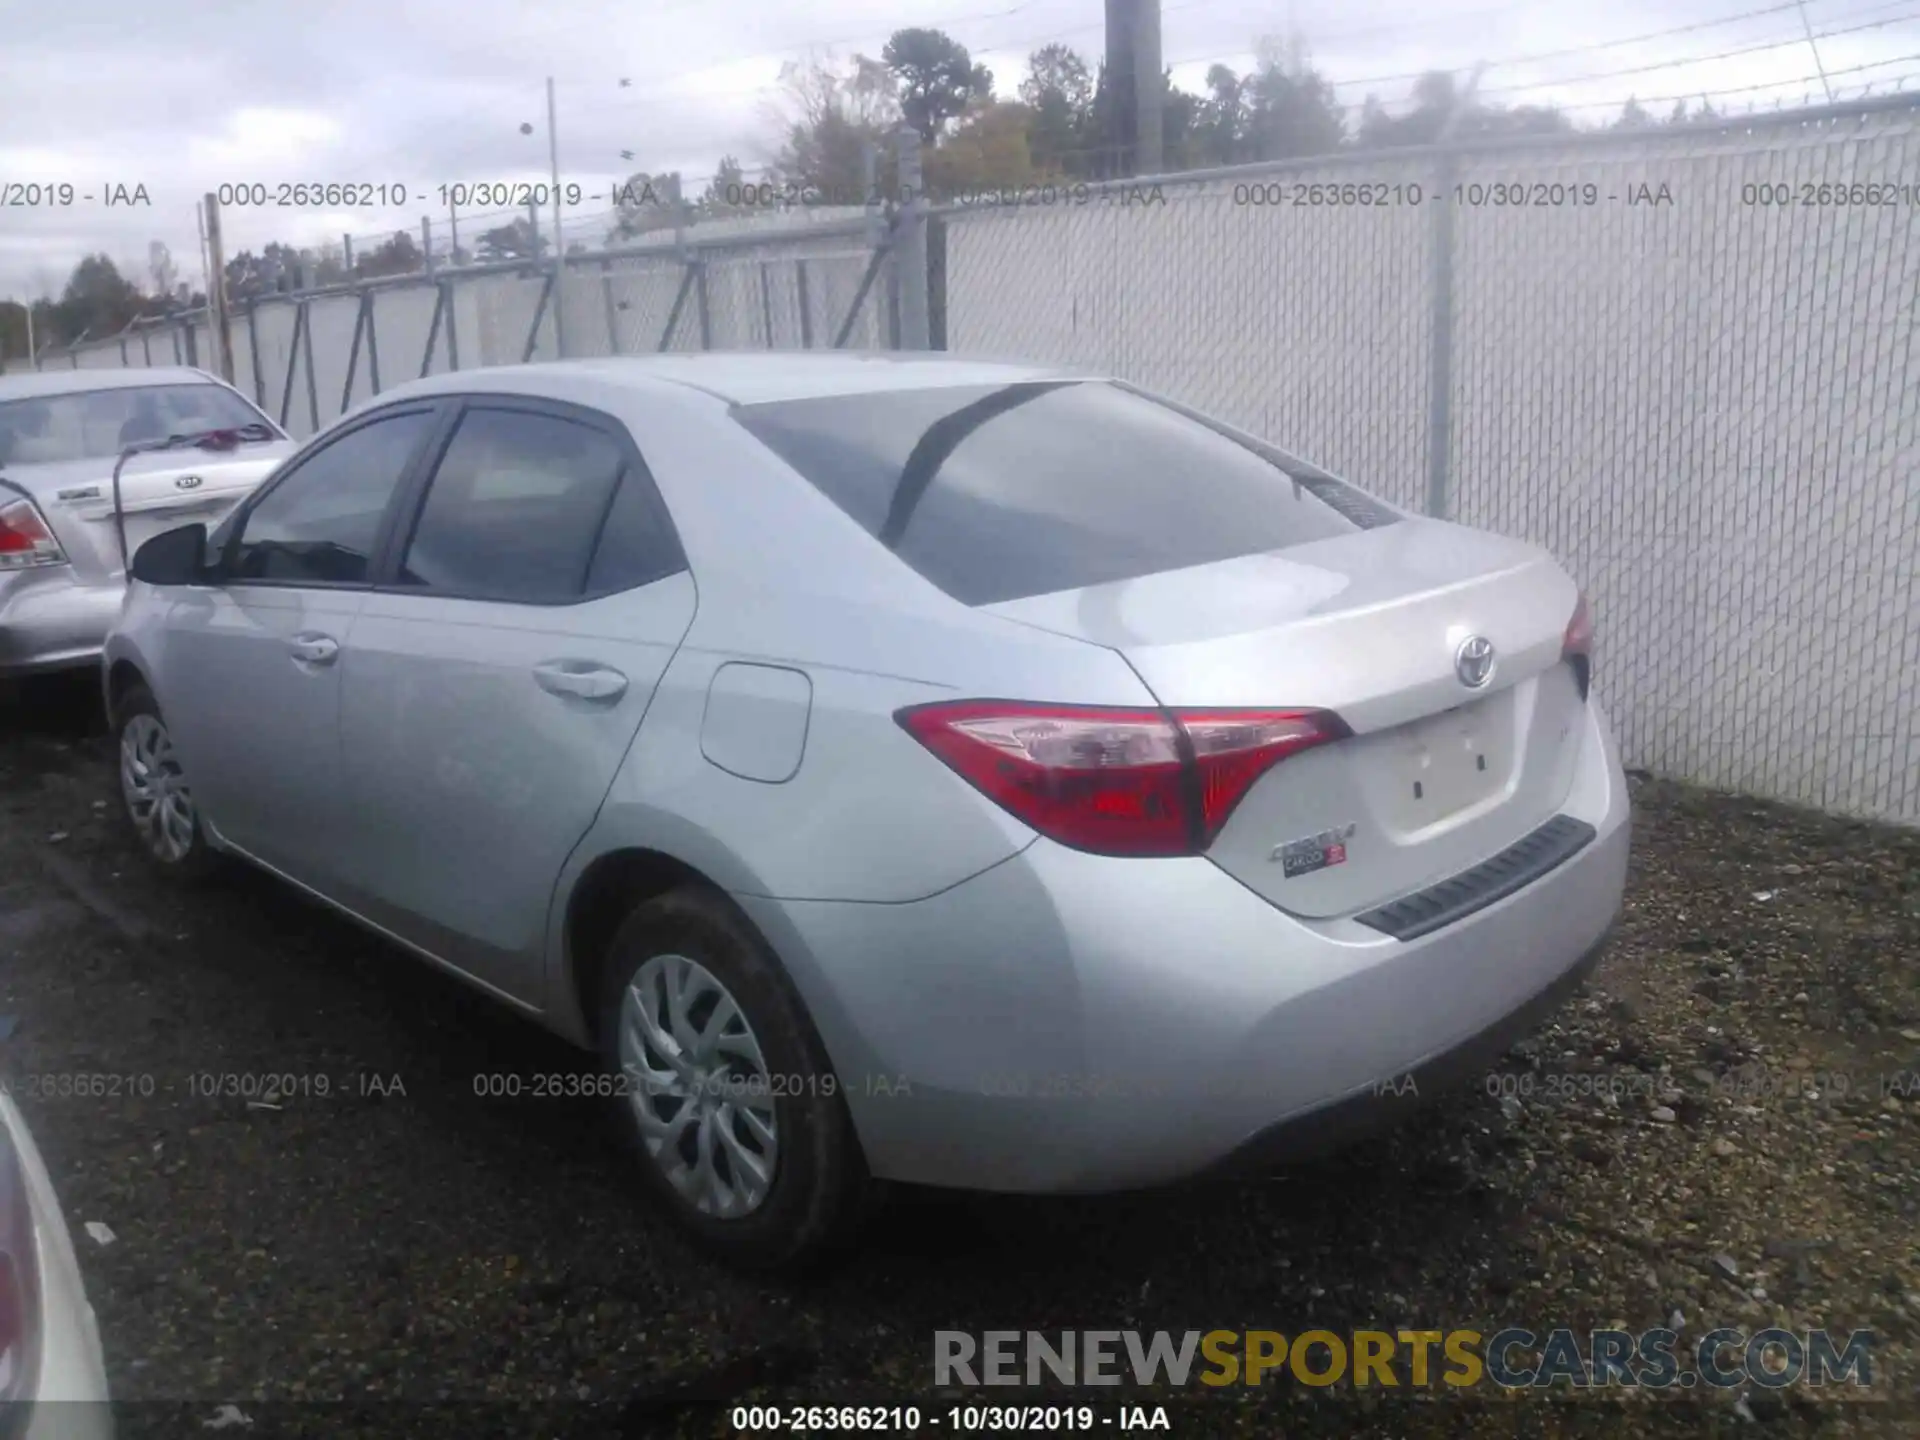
(580,678)
(314,649)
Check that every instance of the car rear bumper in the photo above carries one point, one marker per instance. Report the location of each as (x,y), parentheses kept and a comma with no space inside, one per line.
(50,620)
(1065,1022)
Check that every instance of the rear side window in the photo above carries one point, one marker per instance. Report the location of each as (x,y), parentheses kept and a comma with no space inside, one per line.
(533,507)
(998,493)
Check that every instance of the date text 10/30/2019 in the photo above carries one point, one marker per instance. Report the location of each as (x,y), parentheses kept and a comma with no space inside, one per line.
(960,1419)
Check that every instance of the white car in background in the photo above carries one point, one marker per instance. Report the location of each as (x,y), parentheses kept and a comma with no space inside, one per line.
(53,1383)
(62,577)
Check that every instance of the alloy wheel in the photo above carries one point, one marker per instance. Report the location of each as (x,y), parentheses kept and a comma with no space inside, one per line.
(698,1086)
(155,787)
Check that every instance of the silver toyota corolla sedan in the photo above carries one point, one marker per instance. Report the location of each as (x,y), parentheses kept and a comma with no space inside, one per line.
(61,432)
(900,768)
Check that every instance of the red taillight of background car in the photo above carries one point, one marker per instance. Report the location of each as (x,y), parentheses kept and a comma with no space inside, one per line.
(1116,781)
(25,540)
(1577,647)
(19,1283)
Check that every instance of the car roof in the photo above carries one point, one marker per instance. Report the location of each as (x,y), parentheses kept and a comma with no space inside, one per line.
(35,385)
(743,377)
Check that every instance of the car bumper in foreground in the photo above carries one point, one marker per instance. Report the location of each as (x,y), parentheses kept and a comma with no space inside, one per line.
(70,1393)
(1071,1023)
(49,620)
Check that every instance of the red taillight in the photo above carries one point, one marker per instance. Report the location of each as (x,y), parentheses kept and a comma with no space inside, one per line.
(1577,647)
(1116,781)
(19,1282)
(25,540)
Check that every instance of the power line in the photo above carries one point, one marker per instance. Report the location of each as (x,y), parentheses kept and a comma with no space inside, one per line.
(1907,18)
(1803,82)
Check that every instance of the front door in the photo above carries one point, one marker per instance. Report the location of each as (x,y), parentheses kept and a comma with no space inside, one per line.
(254,663)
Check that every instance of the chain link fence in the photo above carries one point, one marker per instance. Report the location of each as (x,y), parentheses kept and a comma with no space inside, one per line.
(809,279)
(1683,360)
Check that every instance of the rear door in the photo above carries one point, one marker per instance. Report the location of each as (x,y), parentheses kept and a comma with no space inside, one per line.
(1231,575)
(498,674)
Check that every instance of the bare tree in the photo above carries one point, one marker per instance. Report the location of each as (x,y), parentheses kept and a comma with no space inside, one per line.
(161,269)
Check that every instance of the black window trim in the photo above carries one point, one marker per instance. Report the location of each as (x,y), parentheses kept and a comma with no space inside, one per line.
(410,501)
(431,405)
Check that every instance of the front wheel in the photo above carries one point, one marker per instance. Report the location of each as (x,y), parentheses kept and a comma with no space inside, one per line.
(727,1092)
(155,792)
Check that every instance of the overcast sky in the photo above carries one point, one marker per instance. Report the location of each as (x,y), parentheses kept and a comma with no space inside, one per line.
(182,97)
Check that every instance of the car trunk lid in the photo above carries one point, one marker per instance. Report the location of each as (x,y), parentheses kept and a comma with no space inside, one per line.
(158,491)
(1437,775)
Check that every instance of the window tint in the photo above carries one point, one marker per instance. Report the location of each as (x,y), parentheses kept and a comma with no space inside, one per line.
(998,493)
(99,424)
(637,546)
(320,522)
(515,508)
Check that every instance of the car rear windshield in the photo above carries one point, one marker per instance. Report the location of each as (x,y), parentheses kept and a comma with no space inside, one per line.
(99,424)
(1000,492)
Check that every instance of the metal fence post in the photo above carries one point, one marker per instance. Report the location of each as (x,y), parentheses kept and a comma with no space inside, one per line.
(433,328)
(766,303)
(373,342)
(806,306)
(253,350)
(293,360)
(313,383)
(353,354)
(606,297)
(539,314)
(453,334)
(1440,337)
(1440,241)
(679,304)
(700,302)
(910,245)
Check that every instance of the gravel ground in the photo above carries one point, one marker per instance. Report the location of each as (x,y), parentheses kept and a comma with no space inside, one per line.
(1720,1125)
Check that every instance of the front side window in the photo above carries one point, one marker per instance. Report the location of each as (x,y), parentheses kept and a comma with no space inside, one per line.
(532,507)
(99,424)
(321,520)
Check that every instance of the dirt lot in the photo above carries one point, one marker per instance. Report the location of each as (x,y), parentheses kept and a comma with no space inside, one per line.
(1726,1124)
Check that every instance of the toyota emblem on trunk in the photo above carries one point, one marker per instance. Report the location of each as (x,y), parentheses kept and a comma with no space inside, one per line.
(188,482)
(1473,661)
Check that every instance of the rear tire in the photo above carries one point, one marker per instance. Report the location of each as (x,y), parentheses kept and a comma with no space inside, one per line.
(727,1094)
(155,795)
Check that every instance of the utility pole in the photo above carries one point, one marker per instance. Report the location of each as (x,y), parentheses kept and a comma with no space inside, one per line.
(559,247)
(1135,86)
(453,231)
(1150,87)
(217,290)
(910,258)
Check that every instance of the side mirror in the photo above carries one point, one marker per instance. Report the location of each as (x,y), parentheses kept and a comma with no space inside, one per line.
(173,557)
